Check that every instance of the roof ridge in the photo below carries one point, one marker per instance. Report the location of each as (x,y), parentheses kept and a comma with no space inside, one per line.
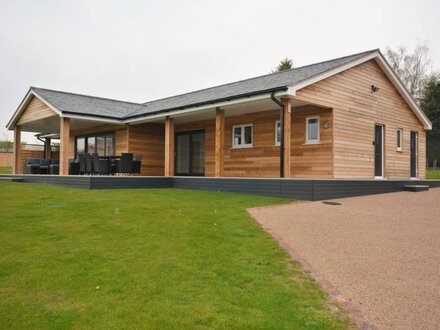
(84,95)
(264,75)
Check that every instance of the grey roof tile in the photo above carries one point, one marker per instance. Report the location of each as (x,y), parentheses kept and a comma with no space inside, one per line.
(87,105)
(96,106)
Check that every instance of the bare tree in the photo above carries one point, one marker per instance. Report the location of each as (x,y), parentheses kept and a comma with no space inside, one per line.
(413,69)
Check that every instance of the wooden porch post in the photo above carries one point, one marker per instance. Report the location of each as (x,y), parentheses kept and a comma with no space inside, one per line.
(47,148)
(64,145)
(169,146)
(16,168)
(219,141)
(287,136)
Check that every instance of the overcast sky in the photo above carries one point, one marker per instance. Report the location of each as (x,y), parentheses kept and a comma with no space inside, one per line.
(143,50)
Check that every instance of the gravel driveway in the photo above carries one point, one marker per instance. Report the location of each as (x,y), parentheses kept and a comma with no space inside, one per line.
(378,255)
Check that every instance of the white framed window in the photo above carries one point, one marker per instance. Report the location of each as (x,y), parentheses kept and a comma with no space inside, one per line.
(312,130)
(399,139)
(277,132)
(242,136)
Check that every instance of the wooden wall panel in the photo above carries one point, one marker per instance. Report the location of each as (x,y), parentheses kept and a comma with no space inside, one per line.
(355,112)
(35,110)
(263,158)
(148,140)
(312,160)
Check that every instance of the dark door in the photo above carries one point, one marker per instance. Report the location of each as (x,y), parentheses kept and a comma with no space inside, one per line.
(190,153)
(378,151)
(413,154)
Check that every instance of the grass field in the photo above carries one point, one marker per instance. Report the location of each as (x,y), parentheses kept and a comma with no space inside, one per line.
(165,258)
(5,170)
(430,174)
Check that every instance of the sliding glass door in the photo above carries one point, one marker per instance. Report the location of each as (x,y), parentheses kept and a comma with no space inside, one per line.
(190,153)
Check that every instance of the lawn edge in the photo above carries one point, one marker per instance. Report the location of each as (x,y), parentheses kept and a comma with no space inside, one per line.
(359,318)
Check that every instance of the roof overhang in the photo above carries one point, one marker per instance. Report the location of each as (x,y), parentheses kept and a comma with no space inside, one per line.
(28,97)
(32,93)
(212,105)
(389,72)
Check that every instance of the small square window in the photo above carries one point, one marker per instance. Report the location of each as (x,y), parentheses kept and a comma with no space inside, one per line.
(312,130)
(399,139)
(242,136)
(277,132)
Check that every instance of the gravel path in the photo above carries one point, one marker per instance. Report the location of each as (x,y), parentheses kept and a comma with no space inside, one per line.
(379,255)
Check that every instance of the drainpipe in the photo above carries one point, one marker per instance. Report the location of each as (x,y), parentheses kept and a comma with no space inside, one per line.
(281,105)
(45,146)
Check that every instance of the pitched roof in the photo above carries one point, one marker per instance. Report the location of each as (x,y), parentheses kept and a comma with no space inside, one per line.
(255,85)
(87,105)
(294,79)
(108,108)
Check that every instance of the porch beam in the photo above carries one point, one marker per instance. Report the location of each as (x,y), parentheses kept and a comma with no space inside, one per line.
(47,148)
(219,141)
(17,151)
(287,127)
(169,146)
(64,145)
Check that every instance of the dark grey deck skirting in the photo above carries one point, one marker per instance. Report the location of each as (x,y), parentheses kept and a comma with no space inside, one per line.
(285,188)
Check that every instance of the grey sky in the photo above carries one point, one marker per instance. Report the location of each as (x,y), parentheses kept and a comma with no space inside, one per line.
(143,50)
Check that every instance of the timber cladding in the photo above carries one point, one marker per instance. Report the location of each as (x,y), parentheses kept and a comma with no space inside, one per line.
(260,160)
(312,160)
(356,110)
(148,140)
(263,158)
(35,110)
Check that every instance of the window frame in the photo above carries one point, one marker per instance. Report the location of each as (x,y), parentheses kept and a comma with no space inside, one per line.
(307,130)
(399,132)
(242,145)
(95,135)
(277,122)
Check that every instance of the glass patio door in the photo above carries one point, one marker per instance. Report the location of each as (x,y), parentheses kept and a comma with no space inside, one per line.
(190,153)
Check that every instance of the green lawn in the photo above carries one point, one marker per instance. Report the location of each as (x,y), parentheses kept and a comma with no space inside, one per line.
(162,258)
(430,174)
(5,170)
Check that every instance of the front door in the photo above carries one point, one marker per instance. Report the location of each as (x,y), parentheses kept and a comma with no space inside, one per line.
(378,151)
(413,155)
(190,153)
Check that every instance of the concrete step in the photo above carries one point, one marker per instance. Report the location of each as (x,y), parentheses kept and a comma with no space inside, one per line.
(415,187)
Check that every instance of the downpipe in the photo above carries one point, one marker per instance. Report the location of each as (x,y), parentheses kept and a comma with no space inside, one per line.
(281,105)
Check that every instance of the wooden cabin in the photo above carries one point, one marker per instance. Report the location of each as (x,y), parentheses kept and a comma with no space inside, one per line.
(349,117)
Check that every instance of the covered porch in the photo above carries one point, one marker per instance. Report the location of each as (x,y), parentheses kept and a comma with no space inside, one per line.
(253,138)
(48,124)
(268,136)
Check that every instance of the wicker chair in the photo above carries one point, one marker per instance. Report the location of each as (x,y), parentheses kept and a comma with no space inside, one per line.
(136,164)
(32,166)
(89,163)
(44,166)
(100,166)
(82,163)
(125,164)
(54,166)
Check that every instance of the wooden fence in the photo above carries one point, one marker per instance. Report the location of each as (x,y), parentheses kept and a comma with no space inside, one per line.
(27,151)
